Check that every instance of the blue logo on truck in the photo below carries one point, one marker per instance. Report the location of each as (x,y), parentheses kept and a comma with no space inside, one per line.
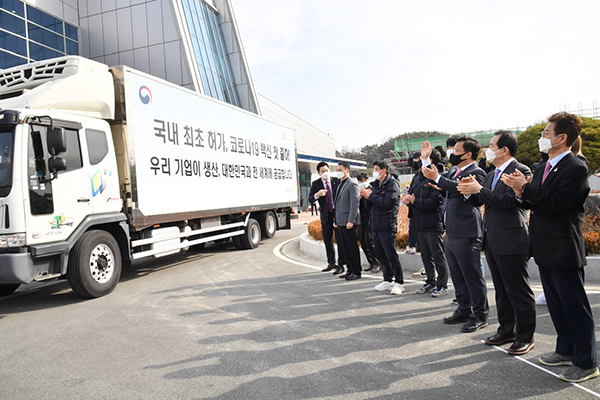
(145,95)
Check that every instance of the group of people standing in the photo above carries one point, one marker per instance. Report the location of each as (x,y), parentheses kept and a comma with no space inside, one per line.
(451,233)
(365,212)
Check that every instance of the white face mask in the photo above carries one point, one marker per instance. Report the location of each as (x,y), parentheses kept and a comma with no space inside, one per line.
(364,185)
(325,176)
(545,144)
(490,154)
(340,175)
(450,151)
(375,174)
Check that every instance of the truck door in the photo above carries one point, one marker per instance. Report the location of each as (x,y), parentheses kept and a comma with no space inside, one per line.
(56,206)
(99,158)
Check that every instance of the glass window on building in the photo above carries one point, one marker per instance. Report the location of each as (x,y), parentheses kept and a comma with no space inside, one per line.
(210,51)
(47,21)
(37,52)
(29,34)
(13,6)
(8,60)
(13,43)
(12,23)
(45,37)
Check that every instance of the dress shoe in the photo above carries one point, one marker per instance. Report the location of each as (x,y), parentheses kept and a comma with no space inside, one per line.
(329,268)
(338,271)
(376,269)
(457,318)
(352,277)
(499,339)
(519,348)
(347,274)
(473,325)
(369,269)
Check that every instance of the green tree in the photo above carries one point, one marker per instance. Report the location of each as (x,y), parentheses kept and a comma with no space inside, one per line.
(590,135)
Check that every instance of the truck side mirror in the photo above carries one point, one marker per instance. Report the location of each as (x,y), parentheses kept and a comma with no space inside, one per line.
(56,164)
(56,141)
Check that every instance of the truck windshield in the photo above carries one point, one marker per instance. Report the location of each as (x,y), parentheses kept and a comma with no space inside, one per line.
(6,158)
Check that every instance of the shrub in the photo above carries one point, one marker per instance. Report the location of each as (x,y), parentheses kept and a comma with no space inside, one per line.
(315,232)
(591,224)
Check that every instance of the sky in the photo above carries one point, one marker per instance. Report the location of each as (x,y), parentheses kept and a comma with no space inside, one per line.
(367,71)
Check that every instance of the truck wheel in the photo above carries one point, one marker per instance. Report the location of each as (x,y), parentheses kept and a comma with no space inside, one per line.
(8,288)
(251,237)
(94,264)
(268,224)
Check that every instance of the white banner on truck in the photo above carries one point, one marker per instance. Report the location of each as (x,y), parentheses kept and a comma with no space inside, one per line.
(196,154)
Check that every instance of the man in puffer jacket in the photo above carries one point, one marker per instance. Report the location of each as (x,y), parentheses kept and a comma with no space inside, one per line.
(385,197)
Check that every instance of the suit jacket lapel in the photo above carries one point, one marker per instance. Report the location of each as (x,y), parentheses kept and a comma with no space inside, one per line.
(554,171)
(489,179)
(465,172)
(337,193)
(510,168)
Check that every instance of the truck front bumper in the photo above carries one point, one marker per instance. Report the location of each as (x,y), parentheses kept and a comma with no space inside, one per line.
(20,268)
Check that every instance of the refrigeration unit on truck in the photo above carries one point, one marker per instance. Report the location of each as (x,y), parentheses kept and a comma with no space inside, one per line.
(100,166)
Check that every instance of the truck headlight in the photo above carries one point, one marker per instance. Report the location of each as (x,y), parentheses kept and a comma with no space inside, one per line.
(14,240)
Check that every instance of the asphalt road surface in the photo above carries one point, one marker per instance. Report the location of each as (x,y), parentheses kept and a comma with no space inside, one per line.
(260,324)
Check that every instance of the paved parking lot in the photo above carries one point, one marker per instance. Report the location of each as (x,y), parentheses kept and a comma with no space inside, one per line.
(261,324)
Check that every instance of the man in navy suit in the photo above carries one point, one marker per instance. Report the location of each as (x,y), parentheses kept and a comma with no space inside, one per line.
(556,195)
(506,245)
(324,190)
(464,233)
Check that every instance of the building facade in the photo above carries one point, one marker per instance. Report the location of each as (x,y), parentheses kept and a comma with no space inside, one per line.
(191,43)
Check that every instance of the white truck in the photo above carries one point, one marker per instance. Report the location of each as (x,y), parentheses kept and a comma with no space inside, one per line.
(100,166)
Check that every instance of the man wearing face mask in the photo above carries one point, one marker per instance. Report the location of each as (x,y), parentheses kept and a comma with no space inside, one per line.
(450,143)
(556,195)
(324,190)
(365,236)
(506,245)
(483,161)
(426,203)
(347,220)
(464,233)
(385,197)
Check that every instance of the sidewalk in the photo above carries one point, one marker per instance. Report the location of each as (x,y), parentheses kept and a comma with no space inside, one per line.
(412,262)
(304,218)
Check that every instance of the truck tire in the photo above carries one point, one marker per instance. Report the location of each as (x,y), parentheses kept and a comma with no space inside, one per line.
(6,289)
(94,264)
(268,224)
(251,237)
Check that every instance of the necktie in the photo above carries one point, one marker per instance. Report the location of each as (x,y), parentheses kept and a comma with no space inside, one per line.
(496,176)
(458,171)
(329,199)
(546,171)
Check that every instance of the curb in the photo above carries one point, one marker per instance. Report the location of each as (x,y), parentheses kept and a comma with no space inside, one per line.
(412,262)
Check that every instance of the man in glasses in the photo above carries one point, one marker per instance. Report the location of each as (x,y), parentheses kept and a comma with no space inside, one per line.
(556,195)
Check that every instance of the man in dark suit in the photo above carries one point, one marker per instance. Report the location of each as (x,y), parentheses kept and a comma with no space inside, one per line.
(506,245)
(365,236)
(427,204)
(347,220)
(556,195)
(464,233)
(324,190)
